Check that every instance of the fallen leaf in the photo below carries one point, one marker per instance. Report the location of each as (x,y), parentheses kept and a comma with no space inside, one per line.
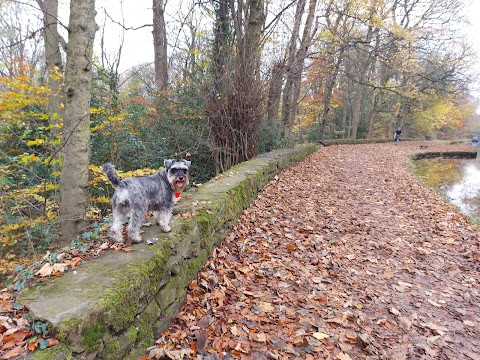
(12,353)
(388,273)
(394,311)
(200,340)
(291,247)
(45,270)
(8,345)
(266,307)
(72,263)
(59,268)
(32,345)
(434,303)
(343,356)
(261,337)
(52,342)
(320,336)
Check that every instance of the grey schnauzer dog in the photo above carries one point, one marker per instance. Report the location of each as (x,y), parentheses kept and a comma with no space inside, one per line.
(135,196)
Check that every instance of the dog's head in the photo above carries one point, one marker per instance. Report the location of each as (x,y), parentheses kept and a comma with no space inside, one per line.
(177,173)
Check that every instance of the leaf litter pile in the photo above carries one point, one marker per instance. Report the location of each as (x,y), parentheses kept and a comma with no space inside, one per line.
(343,256)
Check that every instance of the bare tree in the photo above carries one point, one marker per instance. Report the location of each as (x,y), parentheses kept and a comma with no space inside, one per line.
(234,102)
(275,91)
(160,45)
(20,41)
(339,24)
(53,61)
(295,64)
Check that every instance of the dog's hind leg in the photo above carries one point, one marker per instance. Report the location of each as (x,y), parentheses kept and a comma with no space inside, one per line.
(163,219)
(116,230)
(133,229)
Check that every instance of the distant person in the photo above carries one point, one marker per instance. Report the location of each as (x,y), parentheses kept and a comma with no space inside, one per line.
(398,134)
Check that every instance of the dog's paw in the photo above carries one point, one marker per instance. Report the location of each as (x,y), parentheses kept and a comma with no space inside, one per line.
(134,238)
(166,228)
(116,238)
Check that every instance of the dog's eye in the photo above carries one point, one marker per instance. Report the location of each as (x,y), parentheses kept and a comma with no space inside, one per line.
(179,171)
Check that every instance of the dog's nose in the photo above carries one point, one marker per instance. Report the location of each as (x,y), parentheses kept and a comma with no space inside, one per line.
(180,178)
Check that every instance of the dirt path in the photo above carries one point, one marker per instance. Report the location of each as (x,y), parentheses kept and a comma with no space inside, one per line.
(344,256)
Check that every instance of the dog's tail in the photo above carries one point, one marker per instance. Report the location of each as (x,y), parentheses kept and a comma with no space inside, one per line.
(112,176)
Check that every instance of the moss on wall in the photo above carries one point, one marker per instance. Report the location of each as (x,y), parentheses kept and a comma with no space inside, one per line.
(114,307)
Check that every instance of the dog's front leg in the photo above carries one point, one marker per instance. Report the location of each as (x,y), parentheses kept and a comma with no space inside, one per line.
(163,218)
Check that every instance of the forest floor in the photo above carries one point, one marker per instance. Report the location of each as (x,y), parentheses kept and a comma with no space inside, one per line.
(346,255)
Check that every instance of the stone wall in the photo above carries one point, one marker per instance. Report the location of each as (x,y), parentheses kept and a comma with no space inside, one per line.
(115,306)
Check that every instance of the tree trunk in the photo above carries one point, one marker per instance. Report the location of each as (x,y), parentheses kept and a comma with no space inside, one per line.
(160,45)
(53,61)
(275,92)
(76,131)
(373,112)
(287,98)
(328,92)
(357,107)
(344,122)
(295,69)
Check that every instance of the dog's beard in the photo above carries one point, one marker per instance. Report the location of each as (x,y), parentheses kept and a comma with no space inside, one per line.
(179,185)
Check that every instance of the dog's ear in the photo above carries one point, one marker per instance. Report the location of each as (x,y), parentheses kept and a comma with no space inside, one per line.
(168,163)
(187,163)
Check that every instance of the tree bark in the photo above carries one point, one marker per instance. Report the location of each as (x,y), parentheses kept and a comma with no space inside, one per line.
(294,75)
(275,92)
(53,62)
(160,45)
(338,30)
(234,102)
(287,97)
(76,131)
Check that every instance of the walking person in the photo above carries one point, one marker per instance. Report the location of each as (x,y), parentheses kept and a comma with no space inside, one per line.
(397,135)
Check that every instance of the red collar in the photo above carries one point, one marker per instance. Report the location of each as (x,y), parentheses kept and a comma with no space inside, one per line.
(177,195)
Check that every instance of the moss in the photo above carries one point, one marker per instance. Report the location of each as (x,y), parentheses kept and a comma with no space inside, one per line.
(67,328)
(92,334)
(132,334)
(167,295)
(145,323)
(121,301)
(207,224)
(58,352)
(111,350)
(188,271)
(120,304)
(135,354)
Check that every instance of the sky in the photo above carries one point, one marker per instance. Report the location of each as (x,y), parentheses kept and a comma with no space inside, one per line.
(138,44)
(473,14)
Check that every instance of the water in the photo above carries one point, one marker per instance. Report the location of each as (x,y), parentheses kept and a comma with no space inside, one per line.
(457,179)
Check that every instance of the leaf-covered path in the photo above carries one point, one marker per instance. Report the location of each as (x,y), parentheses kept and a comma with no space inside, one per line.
(344,256)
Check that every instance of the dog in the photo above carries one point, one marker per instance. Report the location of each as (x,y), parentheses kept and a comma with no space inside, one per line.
(135,196)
